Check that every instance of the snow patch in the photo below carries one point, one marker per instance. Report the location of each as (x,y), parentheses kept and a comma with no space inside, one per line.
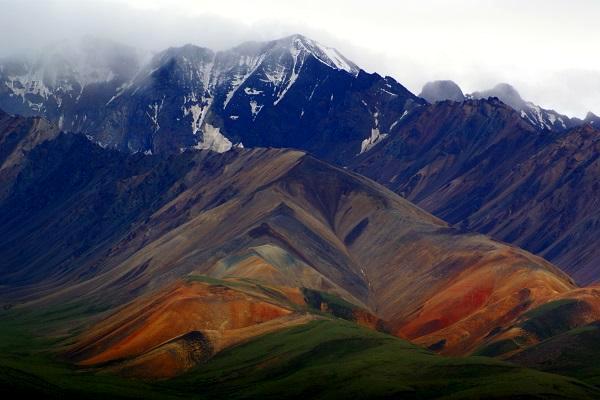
(255,108)
(404,114)
(199,110)
(388,92)
(296,68)
(197,117)
(239,79)
(371,141)
(213,140)
(376,136)
(275,76)
(328,56)
(313,91)
(153,114)
(338,60)
(250,91)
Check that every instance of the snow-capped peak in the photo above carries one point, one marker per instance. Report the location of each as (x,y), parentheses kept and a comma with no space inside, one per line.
(181,88)
(327,55)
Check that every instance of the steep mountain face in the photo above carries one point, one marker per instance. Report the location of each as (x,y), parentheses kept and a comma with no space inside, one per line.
(441,90)
(549,204)
(537,116)
(442,141)
(280,228)
(291,92)
(479,165)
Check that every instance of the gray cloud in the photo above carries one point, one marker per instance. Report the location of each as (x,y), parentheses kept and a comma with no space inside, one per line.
(545,48)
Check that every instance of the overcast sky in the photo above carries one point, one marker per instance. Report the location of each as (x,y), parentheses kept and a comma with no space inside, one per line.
(548,49)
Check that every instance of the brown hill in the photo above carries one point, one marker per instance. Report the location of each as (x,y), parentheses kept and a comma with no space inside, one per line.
(81,222)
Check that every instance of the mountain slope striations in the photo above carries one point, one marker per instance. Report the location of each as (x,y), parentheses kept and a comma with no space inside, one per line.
(121,226)
(480,166)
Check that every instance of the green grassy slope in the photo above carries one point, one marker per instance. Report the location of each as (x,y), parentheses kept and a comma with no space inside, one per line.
(29,365)
(337,359)
(575,353)
(323,359)
(555,326)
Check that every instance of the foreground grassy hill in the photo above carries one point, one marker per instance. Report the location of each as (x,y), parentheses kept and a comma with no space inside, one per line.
(325,358)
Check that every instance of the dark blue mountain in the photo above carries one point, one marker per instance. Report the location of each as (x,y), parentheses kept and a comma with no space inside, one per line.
(291,92)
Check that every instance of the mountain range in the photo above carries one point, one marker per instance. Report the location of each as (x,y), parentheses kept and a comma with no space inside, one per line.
(193,96)
(297,93)
(273,221)
(480,166)
(542,118)
(291,92)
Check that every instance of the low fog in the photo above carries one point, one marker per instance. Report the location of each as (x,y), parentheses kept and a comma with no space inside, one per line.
(546,49)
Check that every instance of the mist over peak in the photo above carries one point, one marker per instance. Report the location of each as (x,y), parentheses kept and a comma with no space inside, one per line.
(505,92)
(442,90)
(364,35)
